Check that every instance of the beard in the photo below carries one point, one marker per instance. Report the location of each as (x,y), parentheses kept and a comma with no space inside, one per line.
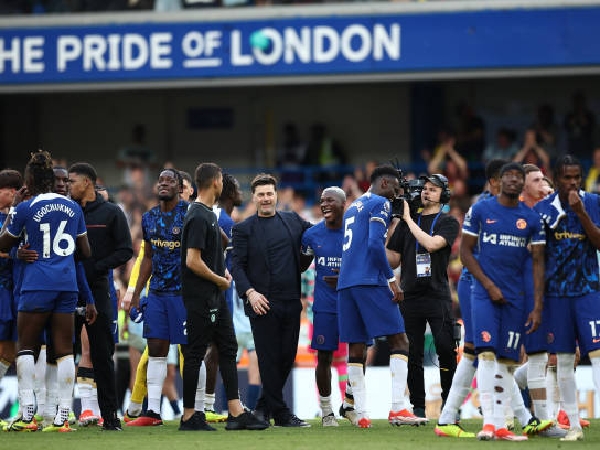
(166,198)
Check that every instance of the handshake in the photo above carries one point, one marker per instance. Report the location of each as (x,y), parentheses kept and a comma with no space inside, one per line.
(137,314)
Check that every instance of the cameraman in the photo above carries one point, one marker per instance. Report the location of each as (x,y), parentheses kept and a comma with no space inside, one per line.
(422,246)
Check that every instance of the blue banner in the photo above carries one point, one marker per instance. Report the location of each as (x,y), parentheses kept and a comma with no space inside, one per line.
(375,44)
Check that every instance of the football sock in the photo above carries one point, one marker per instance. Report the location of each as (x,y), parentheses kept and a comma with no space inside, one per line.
(157,372)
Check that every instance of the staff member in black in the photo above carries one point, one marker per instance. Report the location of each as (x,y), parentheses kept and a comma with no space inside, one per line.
(110,240)
(422,246)
(266,267)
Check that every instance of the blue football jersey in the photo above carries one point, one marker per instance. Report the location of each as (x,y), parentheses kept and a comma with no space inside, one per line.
(52,223)
(368,217)
(504,233)
(325,244)
(162,230)
(6,279)
(226,223)
(571,259)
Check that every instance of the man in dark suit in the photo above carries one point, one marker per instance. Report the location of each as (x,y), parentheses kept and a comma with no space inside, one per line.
(266,267)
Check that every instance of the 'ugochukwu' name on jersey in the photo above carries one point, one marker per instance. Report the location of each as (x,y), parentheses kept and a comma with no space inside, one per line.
(52,224)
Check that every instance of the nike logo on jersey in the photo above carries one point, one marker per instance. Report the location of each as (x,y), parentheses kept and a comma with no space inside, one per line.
(490,221)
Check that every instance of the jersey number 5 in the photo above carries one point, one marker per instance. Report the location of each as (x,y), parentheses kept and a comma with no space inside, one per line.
(348,233)
(54,244)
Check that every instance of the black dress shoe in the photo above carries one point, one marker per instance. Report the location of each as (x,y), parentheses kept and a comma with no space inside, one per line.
(245,421)
(293,421)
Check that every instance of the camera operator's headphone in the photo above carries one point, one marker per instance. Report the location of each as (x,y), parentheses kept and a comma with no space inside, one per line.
(445,196)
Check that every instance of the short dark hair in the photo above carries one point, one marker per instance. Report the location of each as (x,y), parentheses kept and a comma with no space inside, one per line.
(566,160)
(10,178)
(492,168)
(205,174)
(383,171)
(84,168)
(528,168)
(512,166)
(186,176)
(263,179)
(229,187)
(177,174)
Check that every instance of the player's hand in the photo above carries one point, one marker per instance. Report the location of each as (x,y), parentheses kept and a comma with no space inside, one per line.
(126,302)
(20,195)
(533,321)
(496,295)
(398,294)
(90,313)
(406,211)
(331,280)
(24,254)
(258,302)
(223,283)
(575,202)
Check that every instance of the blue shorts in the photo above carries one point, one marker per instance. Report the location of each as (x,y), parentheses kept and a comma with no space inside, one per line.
(498,328)
(48,301)
(8,330)
(367,312)
(326,332)
(573,320)
(165,318)
(465,288)
(7,309)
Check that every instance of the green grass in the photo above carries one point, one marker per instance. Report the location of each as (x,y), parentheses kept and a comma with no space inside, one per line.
(381,436)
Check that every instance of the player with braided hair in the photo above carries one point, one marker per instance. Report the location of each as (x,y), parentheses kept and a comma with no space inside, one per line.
(56,230)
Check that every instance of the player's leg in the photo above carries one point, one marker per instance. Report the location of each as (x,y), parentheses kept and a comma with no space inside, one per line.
(465,370)
(62,345)
(88,392)
(325,340)
(30,326)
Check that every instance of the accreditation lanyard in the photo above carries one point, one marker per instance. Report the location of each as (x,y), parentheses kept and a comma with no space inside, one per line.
(423,261)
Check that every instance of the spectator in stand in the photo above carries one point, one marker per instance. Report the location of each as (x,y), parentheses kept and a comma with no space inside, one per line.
(351,188)
(470,137)
(291,154)
(504,147)
(592,182)
(325,153)
(447,160)
(547,130)
(580,125)
(532,152)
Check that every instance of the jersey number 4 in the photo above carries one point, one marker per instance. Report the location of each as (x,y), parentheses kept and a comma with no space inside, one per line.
(55,243)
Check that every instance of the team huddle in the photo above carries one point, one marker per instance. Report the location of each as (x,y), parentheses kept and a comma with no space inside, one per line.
(531,281)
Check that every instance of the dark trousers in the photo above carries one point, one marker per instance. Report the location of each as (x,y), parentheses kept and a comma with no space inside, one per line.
(276,341)
(102,349)
(417,312)
(204,327)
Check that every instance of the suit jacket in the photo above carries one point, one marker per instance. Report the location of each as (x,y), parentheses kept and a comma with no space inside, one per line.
(250,261)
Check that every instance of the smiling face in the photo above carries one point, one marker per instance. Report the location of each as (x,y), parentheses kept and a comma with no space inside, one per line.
(332,208)
(265,199)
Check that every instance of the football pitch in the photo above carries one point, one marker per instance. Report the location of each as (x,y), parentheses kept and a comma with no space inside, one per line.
(345,437)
